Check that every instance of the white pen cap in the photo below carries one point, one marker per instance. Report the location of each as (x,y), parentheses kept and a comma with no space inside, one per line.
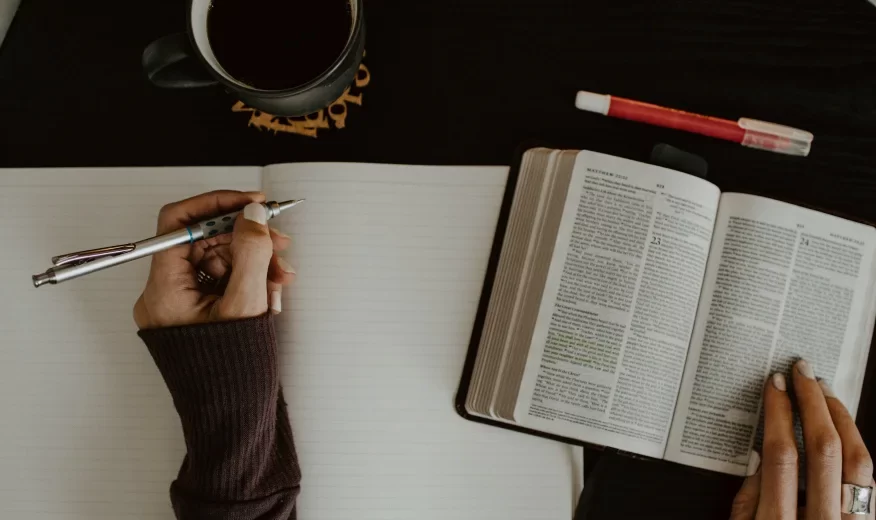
(590,102)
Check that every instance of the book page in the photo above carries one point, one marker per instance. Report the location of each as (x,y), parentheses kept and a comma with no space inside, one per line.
(374,332)
(783,283)
(89,430)
(619,304)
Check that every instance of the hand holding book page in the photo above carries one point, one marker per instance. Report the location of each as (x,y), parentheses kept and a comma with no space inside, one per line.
(838,466)
(783,283)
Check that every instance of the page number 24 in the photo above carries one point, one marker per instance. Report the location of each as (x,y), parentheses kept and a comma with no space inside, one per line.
(804,241)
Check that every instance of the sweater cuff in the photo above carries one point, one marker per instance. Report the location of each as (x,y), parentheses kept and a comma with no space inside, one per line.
(225,384)
(215,364)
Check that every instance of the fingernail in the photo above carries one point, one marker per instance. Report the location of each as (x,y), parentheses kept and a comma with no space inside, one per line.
(779,382)
(826,389)
(805,369)
(255,212)
(276,302)
(284,265)
(753,464)
(279,233)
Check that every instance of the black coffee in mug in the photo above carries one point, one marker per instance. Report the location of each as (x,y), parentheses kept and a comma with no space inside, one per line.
(278,44)
(284,57)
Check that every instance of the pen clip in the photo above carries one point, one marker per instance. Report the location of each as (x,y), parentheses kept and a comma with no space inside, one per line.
(80,257)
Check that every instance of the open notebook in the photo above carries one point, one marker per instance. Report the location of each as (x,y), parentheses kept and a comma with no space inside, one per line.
(390,263)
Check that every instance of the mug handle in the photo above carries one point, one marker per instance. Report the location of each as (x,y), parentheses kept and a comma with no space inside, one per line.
(170,62)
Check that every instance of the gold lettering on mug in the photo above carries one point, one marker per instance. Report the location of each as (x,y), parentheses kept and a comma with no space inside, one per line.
(309,125)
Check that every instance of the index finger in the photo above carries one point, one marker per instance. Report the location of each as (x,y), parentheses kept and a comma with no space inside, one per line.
(823,445)
(778,492)
(179,214)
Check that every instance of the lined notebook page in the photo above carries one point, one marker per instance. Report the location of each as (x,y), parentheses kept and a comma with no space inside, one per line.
(390,263)
(87,427)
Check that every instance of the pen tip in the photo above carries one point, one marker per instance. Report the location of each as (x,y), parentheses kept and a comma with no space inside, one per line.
(290,203)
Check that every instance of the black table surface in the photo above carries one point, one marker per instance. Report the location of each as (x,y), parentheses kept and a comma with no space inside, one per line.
(468,81)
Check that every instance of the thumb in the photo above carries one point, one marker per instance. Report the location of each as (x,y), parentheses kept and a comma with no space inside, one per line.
(745,503)
(246,295)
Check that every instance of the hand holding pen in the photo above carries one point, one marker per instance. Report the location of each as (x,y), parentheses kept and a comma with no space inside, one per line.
(224,277)
(204,267)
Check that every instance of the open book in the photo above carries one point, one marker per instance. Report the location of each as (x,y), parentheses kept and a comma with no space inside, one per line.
(373,335)
(640,308)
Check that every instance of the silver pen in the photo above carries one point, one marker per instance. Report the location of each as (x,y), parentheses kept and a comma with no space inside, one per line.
(73,265)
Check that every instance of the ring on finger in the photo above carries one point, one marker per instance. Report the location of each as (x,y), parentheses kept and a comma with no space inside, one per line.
(206,279)
(210,284)
(856,499)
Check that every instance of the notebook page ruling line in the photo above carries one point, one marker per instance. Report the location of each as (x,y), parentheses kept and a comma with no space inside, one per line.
(390,263)
(89,428)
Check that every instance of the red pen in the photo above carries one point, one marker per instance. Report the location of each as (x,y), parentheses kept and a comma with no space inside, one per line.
(747,132)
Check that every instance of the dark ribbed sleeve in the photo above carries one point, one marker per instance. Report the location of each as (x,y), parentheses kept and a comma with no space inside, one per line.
(224,378)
